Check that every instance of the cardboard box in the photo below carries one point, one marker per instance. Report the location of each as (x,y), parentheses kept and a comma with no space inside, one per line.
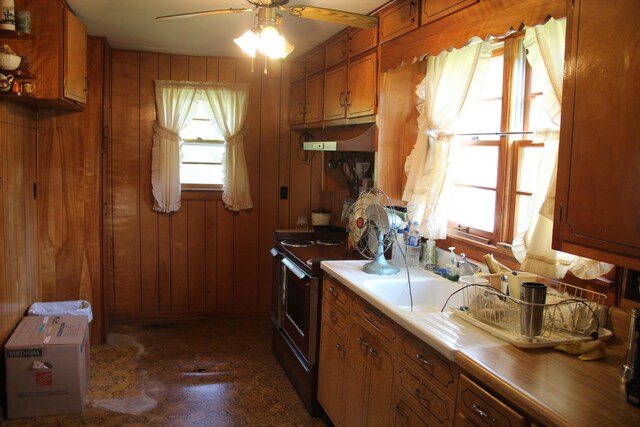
(47,361)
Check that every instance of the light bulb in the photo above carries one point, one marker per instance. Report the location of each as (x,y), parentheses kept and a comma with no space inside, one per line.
(248,42)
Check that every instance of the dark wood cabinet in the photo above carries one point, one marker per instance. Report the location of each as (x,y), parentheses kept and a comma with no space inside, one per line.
(597,212)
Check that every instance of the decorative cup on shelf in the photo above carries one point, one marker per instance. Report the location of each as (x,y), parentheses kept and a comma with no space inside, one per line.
(5,82)
(7,15)
(17,87)
(23,21)
(302,223)
(28,87)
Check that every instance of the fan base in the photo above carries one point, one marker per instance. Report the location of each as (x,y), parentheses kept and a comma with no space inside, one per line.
(380,266)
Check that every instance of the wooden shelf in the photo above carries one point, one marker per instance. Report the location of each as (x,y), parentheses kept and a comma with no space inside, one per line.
(8,34)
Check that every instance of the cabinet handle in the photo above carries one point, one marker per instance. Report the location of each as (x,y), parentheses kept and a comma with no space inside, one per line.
(375,353)
(340,347)
(419,395)
(421,358)
(363,342)
(399,410)
(343,47)
(333,316)
(301,108)
(482,414)
(412,11)
(341,99)
(347,99)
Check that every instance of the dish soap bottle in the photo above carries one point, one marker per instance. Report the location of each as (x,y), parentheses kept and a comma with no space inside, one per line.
(430,256)
(453,273)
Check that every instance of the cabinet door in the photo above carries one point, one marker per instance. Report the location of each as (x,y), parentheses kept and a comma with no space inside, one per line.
(436,9)
(296,104)
(361,40)
(337,50)
(597,205)
(362,85)
(356,383)
(380,378)
(75,58)
(398,19)
(331,373)
(313,98)
(335,93)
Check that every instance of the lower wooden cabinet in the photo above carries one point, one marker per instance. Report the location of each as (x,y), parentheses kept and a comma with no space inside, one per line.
(477,407)
(331,367)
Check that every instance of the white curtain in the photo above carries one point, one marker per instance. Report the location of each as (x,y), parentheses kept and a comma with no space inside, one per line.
(229,104)
(174,102)
(450,78)
(545,54)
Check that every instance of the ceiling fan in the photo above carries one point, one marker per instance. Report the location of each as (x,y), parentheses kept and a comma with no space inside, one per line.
(266,37)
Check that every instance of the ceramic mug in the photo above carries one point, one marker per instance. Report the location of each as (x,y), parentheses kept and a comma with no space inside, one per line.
(28,87)
(5,82)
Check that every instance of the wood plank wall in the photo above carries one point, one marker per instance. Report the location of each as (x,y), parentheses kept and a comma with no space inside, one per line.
(70,198)
(202,260)
(18,247)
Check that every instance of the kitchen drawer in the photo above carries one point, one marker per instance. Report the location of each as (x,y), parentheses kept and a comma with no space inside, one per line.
(475,406)
(437,369)
(430,402)
(334,316)
(373,320)
(336,293)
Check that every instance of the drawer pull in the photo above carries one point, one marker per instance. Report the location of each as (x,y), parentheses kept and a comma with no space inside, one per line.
(363,342)
(419,395)
(421,358)
(375,353)
(341,347)
(333,316)
(399,410)
(482,414)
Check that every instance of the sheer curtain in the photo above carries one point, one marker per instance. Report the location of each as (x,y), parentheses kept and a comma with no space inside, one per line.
(174,107)
(229,104)
(450,78)
(545,47)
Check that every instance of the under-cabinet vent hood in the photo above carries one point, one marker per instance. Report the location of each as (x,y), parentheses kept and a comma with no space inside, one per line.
(360,137)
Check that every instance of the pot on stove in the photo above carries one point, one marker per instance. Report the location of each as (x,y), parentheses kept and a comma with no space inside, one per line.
(320,217)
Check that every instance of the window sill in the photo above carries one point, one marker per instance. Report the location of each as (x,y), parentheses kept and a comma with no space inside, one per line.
(201,194)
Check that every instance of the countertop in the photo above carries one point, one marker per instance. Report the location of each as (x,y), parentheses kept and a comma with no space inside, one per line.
(554,387)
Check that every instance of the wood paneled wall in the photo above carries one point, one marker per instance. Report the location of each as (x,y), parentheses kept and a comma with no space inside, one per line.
(204,259)
(18,244)
(70,198)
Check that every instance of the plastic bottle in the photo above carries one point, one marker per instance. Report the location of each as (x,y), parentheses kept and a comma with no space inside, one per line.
(453,273)
(413,246)
(398,249)
(430,256)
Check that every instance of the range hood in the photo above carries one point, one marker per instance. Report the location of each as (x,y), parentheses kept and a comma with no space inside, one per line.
(361,137)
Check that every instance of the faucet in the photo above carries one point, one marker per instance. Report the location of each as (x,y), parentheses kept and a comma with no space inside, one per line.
(467,268)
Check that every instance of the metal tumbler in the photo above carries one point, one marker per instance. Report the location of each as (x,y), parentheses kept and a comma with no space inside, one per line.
(533,295)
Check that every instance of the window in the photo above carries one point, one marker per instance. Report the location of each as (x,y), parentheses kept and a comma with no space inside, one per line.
(495,159)
(202,151)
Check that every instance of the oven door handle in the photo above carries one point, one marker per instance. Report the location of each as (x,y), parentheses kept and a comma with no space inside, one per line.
(294,268)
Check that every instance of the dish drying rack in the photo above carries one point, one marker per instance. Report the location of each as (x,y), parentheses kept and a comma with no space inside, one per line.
(569,315)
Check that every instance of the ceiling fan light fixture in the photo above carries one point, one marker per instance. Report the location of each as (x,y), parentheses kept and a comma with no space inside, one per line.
(273,44)
(248,42)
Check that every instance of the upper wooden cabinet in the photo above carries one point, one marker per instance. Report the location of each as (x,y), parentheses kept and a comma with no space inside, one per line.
(597,212)
(308,64)
(398,19)
(57,53)
(361,40)
(337,50)
(305,104)
(351,90)
(436,9)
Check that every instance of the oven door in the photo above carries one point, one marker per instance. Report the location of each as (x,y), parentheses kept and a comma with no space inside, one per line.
(300,316)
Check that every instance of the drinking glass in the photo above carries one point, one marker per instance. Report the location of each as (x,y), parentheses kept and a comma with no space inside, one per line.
(302,223)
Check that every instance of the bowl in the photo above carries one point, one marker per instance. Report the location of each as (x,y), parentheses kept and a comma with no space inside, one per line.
(9,62)
(320,218)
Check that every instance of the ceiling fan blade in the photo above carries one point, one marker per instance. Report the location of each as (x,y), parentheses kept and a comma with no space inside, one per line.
(331,15)
(205,12)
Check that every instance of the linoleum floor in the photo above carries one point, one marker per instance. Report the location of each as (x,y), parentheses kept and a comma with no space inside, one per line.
(206,372)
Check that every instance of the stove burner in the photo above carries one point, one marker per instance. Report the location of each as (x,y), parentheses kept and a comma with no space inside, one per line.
(329,242)
(297,243)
